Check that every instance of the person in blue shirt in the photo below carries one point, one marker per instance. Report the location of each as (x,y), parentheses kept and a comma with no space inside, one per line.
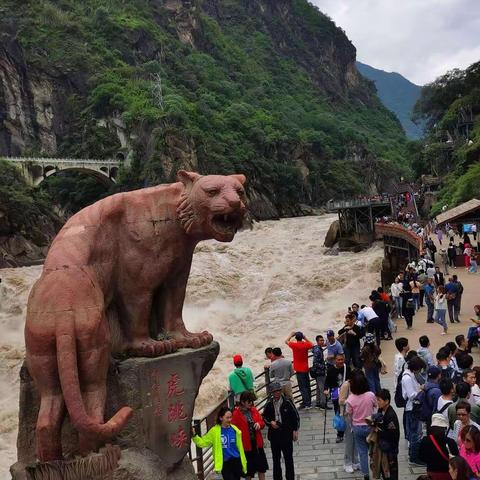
(451,290)
(334,347)
(227,447)
(429,290)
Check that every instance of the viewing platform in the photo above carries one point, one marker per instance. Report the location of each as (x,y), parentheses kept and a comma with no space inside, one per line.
(335,205)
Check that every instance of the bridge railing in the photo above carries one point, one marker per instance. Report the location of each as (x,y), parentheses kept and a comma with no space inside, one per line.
(73,161)
(202,459)
(339,204)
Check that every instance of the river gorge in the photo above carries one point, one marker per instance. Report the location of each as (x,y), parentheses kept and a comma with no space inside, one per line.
(249,294)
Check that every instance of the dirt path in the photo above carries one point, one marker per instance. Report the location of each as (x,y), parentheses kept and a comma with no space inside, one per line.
(470,297)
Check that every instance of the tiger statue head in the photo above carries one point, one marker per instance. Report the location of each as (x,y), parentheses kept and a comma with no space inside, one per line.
(211,206)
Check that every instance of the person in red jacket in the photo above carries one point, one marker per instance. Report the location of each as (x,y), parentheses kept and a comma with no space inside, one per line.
(249,421)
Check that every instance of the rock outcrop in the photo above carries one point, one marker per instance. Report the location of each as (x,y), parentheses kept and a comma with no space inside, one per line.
(333,234)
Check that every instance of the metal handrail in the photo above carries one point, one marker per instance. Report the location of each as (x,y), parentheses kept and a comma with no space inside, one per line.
(203,458)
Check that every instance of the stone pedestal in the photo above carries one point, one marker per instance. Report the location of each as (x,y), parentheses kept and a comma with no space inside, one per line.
(161,391)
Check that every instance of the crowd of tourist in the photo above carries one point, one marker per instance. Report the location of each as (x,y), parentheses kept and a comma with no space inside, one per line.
(438,391)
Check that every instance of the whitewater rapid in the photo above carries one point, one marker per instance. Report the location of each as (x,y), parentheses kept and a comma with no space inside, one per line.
(249,294)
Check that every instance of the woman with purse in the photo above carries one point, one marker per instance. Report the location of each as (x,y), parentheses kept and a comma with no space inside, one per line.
(248,419)
(361,403)
(350,457)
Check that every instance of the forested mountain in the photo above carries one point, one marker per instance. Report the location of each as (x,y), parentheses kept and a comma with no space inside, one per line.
(397,93)
(450,106)
(264,87)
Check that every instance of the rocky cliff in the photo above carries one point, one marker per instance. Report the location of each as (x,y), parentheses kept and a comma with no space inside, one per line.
(266,87)
(27,221)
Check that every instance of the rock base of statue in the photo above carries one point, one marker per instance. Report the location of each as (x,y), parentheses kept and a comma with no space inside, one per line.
(161,391)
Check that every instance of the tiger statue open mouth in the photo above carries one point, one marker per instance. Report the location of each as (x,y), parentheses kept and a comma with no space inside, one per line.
(113,283)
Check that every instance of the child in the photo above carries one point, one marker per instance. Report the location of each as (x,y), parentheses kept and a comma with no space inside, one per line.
(473,263)
(423,352)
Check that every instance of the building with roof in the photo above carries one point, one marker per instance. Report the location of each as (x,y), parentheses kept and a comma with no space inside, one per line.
(468,212)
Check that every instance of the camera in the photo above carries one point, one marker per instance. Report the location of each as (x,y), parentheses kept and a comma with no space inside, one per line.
(375,420)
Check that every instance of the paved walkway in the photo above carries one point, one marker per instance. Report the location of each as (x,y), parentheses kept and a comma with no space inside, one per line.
(317,460)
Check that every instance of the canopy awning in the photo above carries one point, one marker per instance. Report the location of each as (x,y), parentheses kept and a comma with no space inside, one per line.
(466,209)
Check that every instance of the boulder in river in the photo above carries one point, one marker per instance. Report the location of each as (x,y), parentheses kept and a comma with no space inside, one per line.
(333,234)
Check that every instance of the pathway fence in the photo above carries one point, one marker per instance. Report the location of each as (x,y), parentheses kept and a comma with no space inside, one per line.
(203,458)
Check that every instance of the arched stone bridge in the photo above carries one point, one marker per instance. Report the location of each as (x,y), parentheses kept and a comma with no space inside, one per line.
(36,169)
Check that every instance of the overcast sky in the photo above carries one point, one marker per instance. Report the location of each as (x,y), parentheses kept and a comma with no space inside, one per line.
(421,39)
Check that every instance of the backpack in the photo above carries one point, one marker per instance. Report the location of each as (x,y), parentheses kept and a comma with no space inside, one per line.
(447,372)
(457,377)
(410,305)
(444,407)
(400,402)
(421,408)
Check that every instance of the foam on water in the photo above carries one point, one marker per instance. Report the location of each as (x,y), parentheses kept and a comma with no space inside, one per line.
(249,294)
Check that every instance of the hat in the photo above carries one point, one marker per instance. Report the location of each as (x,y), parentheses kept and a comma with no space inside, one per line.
(438,420)
(433,371)
(237,359)
(299,336)
(330,333)
(369,338)
(275,387)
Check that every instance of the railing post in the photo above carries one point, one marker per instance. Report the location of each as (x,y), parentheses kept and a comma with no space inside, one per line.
(231,400)
(199,451)
(266,373)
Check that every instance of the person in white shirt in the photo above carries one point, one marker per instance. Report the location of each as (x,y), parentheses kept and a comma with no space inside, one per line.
(475,391)
(430,271)
(462,408)
(410,388)
(402,346)
(446,398)
(368,313)
(396,290)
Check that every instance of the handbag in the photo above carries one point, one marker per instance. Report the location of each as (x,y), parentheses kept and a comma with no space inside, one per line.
(339,423)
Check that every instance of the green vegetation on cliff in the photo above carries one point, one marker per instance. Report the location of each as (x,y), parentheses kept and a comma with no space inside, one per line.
(268,88)
(451,107)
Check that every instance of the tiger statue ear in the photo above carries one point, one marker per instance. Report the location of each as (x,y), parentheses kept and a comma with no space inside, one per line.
(187,178)
(240,177)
